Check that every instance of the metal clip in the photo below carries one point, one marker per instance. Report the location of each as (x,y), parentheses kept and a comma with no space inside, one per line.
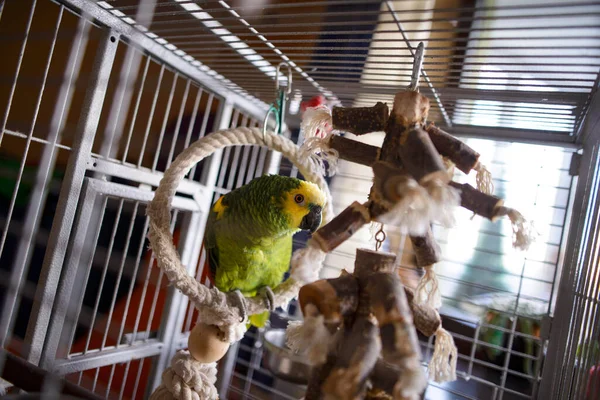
(278,107)
(289,78)
(416,70)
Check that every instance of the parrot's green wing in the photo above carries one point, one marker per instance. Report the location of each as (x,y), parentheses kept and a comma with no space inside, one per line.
(210,244)
(247,259)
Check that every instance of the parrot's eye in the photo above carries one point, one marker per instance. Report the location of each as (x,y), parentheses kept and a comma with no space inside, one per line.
(299,199)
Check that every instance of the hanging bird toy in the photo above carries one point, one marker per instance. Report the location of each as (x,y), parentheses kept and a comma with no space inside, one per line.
(359,330)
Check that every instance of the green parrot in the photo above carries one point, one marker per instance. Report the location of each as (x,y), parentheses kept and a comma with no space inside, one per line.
(248,236)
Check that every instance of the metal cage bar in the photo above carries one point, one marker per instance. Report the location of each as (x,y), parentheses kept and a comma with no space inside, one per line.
(91,10)
(65,212)
(580,256)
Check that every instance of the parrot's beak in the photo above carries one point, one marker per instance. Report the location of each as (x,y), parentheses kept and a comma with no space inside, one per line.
(312,220)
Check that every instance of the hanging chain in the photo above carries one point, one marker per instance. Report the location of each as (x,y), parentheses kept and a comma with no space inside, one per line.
(379,238)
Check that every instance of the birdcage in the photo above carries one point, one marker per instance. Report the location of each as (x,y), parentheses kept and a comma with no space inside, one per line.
(97,98)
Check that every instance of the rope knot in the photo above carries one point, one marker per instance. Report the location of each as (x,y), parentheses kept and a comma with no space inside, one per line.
(187,379)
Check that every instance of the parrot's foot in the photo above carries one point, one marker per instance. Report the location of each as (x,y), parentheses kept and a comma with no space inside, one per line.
(268,296)
(237,299)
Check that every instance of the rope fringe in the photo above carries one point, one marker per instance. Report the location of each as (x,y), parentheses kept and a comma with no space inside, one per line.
(444,199)
(428,291)
(442,367)
(484,180)
(412,213)
(524,232)
(317,127)
(304,261)
(421,204)
(322,155)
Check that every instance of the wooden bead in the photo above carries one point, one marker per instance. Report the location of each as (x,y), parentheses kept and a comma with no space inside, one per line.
(206,343)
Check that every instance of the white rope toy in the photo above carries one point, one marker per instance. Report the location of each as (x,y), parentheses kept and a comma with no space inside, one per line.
(442,366)
(317,128)
(213,305)
(310,336)
(428,291)
(187,379)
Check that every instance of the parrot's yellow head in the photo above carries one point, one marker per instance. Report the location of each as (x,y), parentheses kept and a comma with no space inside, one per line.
(303,206)
(273,205)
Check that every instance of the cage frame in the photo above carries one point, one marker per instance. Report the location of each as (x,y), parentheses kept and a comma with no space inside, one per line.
(77,187)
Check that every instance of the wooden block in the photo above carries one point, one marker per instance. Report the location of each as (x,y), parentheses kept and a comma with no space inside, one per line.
(463,156)
(206,343)
(334,298)
(369,262)
(360,120)
(342,227)
(480,203)
(399,342)
(426,318)
(360,350)
(420,157)
(354,151)
(427,251)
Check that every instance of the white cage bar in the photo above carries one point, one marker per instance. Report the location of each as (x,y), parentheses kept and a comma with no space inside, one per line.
(98,97)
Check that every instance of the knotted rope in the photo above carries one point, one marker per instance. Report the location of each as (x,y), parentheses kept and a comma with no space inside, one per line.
(187,379)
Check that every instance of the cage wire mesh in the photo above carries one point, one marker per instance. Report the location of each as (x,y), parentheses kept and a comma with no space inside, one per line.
(98,98)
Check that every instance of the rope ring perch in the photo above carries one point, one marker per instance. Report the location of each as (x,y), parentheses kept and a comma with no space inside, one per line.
(212,304)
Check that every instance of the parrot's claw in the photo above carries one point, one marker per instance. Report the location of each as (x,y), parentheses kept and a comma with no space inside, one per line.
(238,300)
(268,296)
